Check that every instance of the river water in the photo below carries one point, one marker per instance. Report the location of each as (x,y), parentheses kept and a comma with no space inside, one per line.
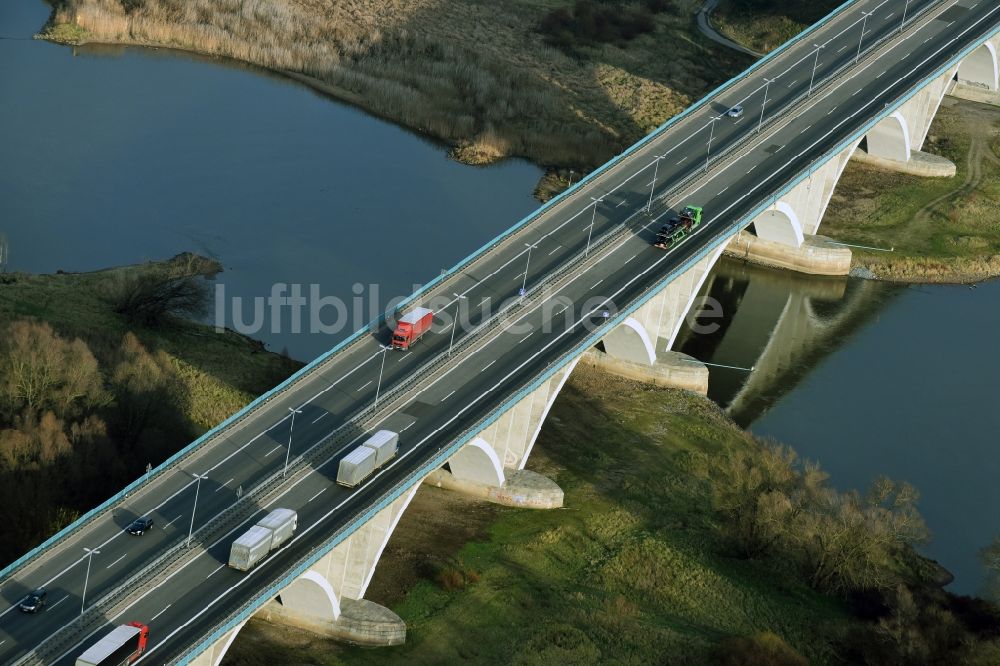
(111,156)
(867,379)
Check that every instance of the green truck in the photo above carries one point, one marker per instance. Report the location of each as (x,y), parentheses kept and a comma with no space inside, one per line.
(677,228)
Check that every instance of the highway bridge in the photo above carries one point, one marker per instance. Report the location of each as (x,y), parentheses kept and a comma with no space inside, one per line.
(578,271)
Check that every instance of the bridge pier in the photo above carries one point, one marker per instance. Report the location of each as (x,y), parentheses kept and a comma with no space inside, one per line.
(327,598)
(895,142)
(491,466)
(978,76)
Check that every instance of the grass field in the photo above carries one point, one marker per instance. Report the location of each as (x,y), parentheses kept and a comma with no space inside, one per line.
(478,74)
(942,229)
(221,372)
(628,572)
(764,25)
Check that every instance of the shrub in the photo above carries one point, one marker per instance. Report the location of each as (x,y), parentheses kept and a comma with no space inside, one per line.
(763,649)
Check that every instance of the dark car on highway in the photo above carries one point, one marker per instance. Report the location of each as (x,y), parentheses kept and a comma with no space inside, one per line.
(35,601)
(140,525)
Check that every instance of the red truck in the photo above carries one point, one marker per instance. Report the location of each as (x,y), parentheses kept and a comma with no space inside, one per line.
(122,646)
(411,327)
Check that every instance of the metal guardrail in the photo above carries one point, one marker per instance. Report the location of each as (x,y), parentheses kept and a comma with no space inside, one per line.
(248,608)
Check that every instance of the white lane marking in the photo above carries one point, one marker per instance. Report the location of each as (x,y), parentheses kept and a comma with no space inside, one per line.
(723,189)
(558,247)
(52,606)
(370,381)
(405,356)
(682,160)
(448,396)
(272,450)
(525,337)
(317,494)
(488,365)
(632,257)
(597,283)
(321,417)
(116,561)
(215,570)
(224,485)
(623,202)
(160,613)
(408,427)
(172,522)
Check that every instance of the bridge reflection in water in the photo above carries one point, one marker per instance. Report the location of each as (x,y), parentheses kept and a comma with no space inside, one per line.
(780,323)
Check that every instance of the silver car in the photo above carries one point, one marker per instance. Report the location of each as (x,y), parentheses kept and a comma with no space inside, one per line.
(735,112)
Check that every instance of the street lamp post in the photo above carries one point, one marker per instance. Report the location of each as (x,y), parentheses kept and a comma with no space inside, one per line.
(864,23)
(652,186)
(812,79)
(593,219)
(90,556)
(903,24)
(570,179)
(197,489)
(454,325)
(291,428)
(711,135)
(767,85)
(524,282)
(378,386)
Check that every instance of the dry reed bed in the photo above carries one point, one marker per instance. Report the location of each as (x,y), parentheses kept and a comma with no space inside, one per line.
(475,74)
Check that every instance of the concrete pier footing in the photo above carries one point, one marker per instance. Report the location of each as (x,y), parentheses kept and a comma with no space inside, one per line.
(361,622)
(972,93)
(919,164)
(521,488)
(672,369)
(818,255)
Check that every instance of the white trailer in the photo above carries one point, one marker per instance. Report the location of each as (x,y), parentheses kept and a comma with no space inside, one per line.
(384,443)
(282,523)
(356,466)
(250,548)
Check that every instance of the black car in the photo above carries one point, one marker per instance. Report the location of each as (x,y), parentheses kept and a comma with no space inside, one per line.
(34,601)
(140,526)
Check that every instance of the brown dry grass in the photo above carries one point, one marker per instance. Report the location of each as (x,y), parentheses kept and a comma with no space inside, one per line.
(943,230)
(475,74)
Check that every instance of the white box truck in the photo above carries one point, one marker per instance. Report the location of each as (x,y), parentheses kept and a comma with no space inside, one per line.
(270,532)
(384,443)
(356,466)
(123,645)
(250,548)
(282,523)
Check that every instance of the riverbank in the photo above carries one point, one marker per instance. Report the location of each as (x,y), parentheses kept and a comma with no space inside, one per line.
(494,81)
(639,567)
(944,230)
(114,391)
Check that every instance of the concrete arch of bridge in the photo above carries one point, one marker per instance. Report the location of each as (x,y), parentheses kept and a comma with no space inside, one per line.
(477,462)
(311,594)
(780,224)
(890,138)
(629,341)
(981,68)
